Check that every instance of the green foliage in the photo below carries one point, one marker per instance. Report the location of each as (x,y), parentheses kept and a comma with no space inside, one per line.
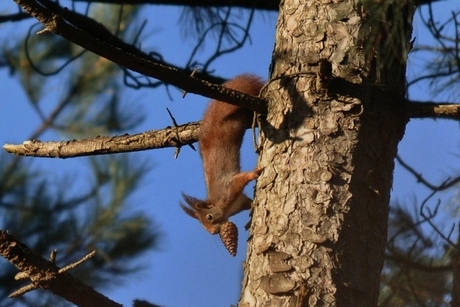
(45,216)
(418,270)
(388,27)
(90,208)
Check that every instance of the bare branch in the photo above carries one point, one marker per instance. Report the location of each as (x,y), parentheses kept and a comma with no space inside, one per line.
(77,263)
(422,109)
(74,27)
(443,69)
(271,5)
(443,186)
(45,275)
(429,216)
(176,136)
(168,137)
(14,17)
(33,286)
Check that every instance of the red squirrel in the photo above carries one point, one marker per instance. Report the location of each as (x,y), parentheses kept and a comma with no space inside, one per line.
(221,134)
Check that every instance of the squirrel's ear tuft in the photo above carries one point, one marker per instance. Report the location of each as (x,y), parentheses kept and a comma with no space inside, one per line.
(194,205)
(189,211)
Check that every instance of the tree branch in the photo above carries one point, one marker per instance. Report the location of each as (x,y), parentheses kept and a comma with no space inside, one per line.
(176,137)
(45,275)
(423,109)
(446,184)
(168,137)
(14,17)
(270,5)
(74,27)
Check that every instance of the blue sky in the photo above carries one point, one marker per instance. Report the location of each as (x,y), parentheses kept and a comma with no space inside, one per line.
(191,267)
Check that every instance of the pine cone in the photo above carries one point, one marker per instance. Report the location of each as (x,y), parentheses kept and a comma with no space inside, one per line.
(229,236)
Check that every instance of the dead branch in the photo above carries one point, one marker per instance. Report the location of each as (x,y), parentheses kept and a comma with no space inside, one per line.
(168,137)
(46,275)
(269,5)
(74,27)
(446,184)
(422,109)
(178,136)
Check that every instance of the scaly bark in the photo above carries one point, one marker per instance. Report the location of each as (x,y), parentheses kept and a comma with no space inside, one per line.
(336,115)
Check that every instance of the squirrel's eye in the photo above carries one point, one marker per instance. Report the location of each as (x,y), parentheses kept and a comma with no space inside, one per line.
(209,217)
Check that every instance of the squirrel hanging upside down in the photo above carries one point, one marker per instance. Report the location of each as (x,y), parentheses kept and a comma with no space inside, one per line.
(221,134)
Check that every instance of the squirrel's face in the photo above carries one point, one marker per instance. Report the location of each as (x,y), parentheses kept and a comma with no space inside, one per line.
(211,220)
(210,216)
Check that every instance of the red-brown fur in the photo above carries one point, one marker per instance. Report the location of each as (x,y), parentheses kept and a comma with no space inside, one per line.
(222,130)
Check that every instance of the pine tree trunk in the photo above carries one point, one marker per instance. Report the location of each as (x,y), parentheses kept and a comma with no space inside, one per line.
(336,114)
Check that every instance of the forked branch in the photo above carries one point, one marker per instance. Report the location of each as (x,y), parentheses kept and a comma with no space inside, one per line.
(46,275)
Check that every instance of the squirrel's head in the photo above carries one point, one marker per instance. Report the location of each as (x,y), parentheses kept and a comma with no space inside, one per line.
(210,216)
